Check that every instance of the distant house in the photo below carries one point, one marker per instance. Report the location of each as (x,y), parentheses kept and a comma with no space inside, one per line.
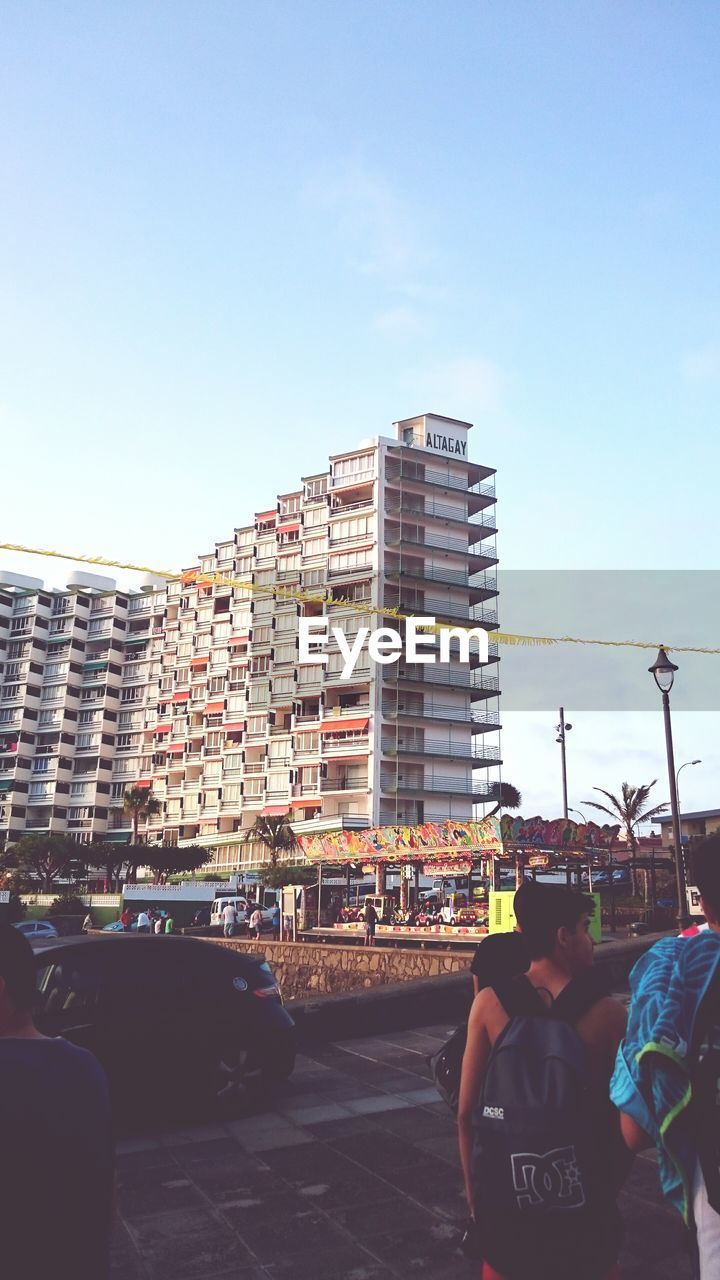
(704,822)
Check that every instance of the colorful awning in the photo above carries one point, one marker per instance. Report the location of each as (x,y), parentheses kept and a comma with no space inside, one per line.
(199,662)
(306,802)
(144,782)
(273,810)
(237,640)
(339,726)
(289,528)
(236,727)
(174,748)
(162,728)
(212,708)
(181,697)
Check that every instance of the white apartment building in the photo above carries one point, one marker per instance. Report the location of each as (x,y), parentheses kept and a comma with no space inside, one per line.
(194,689)
(243,729)
(77,670)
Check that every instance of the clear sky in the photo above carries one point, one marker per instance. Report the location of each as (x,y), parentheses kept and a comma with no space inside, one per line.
(236,237)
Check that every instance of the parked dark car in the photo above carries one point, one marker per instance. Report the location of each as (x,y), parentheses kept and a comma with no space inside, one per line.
(173,1020)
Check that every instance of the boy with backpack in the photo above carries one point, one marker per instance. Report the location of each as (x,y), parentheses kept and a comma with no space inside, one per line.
(666,1082)
(539,1140)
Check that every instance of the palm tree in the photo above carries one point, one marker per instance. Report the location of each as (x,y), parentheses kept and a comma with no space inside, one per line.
(139,802)
(275,834)
(630,810)
(510,798)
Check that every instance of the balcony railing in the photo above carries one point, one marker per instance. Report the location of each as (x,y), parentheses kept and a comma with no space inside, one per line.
(343,784)
(439,711)
(445,783)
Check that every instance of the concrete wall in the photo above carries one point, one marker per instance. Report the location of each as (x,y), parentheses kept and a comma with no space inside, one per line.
(305,969)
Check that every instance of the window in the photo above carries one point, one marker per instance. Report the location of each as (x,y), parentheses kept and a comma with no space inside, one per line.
(19,624)
(264,607)
(288,506)
(286,538)
(182,676)
(314,517)
(259,695)
(264,577)
(231,793)
(360,467)
(279,751)
(117,790)
(283,684)
(277,783)
(45,717)
(244,537)
(80,791)
(263,526)
(222,630)
(317,488)
(217,684)
(253,787)
(284,653)
(284,623)
(256,724)
(350,560)
(225,550)
(243,564)
(354,591)
(85,741)
(85,717)
(17,649)
(314,546)
(351,527)
(41,765)
(259,665)
(307,742)
(132,694)
(214,739)
(261,634)
(10,692)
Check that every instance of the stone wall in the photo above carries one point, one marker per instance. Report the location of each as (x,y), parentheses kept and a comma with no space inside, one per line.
(305,969)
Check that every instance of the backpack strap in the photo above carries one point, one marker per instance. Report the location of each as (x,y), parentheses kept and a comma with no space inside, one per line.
(519,998)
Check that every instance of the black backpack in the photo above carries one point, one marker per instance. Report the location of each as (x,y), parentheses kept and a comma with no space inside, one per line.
(705,1080)
(539,1177)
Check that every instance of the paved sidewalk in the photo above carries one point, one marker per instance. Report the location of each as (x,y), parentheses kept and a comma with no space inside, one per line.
(352,1174)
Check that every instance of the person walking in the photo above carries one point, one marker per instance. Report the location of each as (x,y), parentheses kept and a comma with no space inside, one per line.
(126,919)
(666,1083)
(87,923)
(159,925)
(143,923)
(540,1142)
(57,1149)
(275,921)
(256,922)
(229,919)
(371,919)
(169,923)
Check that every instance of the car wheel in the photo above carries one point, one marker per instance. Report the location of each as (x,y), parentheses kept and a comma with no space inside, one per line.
(232,1074)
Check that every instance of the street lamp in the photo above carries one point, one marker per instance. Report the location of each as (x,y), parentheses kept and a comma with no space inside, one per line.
(663,671)
(677,778)
(561,728)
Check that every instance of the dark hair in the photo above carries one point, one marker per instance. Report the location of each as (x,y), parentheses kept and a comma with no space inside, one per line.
(498,957)
(17,967)
(542,909)
(705,868)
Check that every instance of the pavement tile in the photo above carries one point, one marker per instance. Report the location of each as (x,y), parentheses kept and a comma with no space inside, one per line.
(138,1202)
(276,1139)
(300,1231)
(393,1213)
(416,1123)
(372,1106)
(377,1151)
(419,1097)
(132,1146)
(318,1114)
(330,1130)
(186,1245)
(351,1263)
(256,1124)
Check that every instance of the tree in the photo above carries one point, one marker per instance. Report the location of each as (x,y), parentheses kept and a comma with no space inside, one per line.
(510,798)
(275,834)
(110,857)
(140,802)
(631,810)
(276,877)
(168,859)
(46,858)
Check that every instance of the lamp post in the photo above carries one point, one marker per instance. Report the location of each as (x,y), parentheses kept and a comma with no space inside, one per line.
(663,672)
(562,727)
(677,778)
(582,815)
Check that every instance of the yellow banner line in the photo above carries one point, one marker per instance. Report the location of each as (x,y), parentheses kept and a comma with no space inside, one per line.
(195,577)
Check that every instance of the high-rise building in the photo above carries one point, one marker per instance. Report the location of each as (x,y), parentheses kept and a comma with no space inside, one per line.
(404,525)
(76,673)
(194,688)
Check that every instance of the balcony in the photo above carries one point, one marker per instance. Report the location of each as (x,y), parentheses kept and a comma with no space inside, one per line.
(350,481)
(441,711)
(359,745)
(480,755)
(445,784)
(343,784)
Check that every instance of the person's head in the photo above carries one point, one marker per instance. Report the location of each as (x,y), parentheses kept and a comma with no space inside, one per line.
(555,921)
(500,956)
(17,979)
(705,869)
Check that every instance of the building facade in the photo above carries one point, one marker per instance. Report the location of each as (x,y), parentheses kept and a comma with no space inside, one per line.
(194,689)
(78,671)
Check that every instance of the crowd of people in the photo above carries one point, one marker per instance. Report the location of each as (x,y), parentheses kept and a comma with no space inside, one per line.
(560,1086)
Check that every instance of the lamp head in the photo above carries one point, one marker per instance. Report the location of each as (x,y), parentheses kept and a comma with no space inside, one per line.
(663,671)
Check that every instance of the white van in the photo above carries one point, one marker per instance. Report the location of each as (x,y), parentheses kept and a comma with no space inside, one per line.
(219,904)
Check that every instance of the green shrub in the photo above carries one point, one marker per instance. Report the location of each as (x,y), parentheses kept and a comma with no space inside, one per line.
(68,904)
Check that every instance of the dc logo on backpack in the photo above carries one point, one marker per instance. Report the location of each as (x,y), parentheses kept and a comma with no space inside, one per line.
(552,1180)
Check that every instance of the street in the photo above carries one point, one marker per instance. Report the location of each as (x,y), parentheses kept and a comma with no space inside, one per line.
(351,1174)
